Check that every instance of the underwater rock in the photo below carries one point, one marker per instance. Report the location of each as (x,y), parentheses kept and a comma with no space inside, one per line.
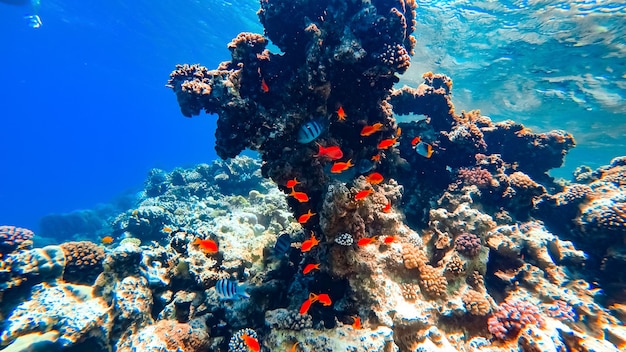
(68,309)
(32,266)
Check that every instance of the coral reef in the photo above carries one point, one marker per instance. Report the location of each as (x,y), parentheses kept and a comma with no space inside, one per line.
(424,235)
(12,238)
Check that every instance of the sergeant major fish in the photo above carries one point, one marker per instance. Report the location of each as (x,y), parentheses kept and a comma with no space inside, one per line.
(230,290)
(309,132)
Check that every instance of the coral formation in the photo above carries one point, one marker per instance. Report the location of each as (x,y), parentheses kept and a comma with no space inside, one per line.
(12,238)
(83,261)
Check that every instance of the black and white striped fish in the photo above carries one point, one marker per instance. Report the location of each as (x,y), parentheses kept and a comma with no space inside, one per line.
(230,290)
(283,243)
(309,132)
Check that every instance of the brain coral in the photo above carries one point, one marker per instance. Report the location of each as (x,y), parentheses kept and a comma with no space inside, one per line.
(83,261)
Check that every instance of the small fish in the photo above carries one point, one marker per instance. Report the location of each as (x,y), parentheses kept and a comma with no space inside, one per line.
(341,114)
(310,267)
(363,194)
(324,299)
(207,246)
(365,241)
(357,323)
(167,229)
(374,178)
(333,152)
(398,132)
(415,141)
(370,130)
(390,239)
(386,143)
(283,243)
(376,157)
(387,208)
(306,305)
(230,290)
(264,87)
(300,196)
(292,183)
(305,217)
(309,132)
(310,243)
(251,342)
(294,348)
(424,149)
(339,166)
(107,240)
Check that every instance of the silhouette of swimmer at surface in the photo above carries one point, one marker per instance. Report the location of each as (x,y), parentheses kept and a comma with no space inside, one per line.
(33,19)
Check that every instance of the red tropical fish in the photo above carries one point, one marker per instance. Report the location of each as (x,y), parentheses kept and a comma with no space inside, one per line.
(371,129)
(310,243)
(251,342)
(324,299)
(207,246)
(357,323)
(374,178)
(305,217)
(310,267)
(365,241)
(387,208)
(390,239)
(341,114)
(339,166)
(333,152)
(264,87)
(386,143)
(300,196)
(363,194)
(292,183)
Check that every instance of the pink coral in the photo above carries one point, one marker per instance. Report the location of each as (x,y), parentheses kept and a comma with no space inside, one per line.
(468,244)
(512,316)
(475,176)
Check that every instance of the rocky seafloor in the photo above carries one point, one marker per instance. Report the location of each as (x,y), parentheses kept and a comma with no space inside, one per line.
(472,247)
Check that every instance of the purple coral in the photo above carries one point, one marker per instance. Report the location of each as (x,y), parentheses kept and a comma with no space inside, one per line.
(12,237)
(468,244)
(512,316)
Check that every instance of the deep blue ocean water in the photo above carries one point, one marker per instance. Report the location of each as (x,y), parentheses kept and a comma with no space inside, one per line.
(84,113)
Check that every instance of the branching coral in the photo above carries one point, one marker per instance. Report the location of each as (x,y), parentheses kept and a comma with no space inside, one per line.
(512,316)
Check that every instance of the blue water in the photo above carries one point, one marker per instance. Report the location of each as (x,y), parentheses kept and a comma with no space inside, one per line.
(84,109)
(84,113)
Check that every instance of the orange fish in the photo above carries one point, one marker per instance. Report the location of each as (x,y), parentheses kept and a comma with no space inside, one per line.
(376,157)
(306,305)
(300,196)
(370,130)
(310,267)
(167,229)
(363,194)
(294,348)
(107,240)
(324,299)
(305,217)
(415,141)
(387,208)
(390,239)
(251,342)
(339,166)
(357,323)
(264,87)
(365,241)
(310,243)
(399,132)
(292,183)
(333,152)
(386,143)
(207,246)
(374,178)
(341,114)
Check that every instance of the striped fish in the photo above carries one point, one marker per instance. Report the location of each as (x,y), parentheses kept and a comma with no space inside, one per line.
(283,243)
(309,132)
(230,290)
